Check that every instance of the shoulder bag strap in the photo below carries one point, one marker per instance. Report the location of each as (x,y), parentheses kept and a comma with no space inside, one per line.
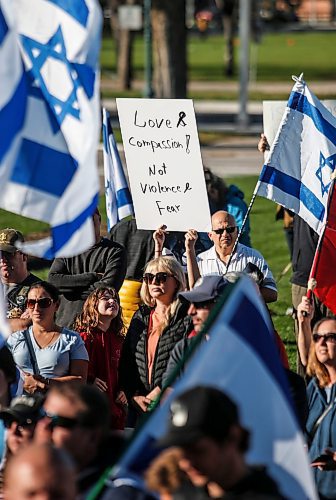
(32,355)
(321,418)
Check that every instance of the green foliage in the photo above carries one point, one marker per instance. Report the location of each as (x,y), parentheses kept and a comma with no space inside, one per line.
(277,57)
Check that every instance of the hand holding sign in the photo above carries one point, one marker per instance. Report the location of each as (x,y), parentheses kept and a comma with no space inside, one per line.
(164,163)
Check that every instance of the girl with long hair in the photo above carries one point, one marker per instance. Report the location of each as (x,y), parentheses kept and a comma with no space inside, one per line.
(101,327)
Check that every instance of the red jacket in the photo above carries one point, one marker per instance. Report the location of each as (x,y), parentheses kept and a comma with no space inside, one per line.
(104,350)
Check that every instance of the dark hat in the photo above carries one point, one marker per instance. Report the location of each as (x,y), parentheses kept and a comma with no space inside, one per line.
(8,238)
(200,412)
(206,288)
(23,409)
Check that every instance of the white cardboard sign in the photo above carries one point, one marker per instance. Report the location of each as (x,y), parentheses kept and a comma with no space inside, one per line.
(164,163)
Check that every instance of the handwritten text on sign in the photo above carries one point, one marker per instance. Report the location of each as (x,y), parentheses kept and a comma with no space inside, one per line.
(164,163)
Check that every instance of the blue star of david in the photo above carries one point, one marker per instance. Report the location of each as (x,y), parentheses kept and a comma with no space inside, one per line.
(55,49)
(327,164)
(107,186)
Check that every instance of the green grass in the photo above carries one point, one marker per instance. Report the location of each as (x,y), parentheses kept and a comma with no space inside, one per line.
(277,57)
(267,237)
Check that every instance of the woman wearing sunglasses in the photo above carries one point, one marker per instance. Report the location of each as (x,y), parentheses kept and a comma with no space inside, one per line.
(154,330)
(45,352)
(102,328)
(321,391)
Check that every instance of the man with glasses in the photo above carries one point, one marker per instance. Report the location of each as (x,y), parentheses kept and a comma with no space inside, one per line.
(202,299)
(76,419)
(16,278)
(218,260)
(19,420)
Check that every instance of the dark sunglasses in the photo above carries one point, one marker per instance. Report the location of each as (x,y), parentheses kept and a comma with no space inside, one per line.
(43,303)
(228,229)
(59,421)
(203,305)
(158,278)
(328,337)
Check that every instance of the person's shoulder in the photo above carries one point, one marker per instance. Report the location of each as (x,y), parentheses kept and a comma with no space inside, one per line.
(207,254)
(248,251)
(70,334)
(16,337)
(111,245)
(30,280)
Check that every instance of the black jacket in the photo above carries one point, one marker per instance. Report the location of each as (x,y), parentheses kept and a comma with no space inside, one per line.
(104,264)
(133,370)
(304,245)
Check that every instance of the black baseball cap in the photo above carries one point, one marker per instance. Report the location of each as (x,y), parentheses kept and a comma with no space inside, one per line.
(200,412)
(23,409)
(8,239)
(206,288)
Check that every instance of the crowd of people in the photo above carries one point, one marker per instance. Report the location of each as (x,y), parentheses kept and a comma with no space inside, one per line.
(76,378)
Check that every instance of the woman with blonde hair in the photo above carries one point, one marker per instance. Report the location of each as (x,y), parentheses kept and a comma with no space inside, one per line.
(154,330)
(321,391)
(101,327)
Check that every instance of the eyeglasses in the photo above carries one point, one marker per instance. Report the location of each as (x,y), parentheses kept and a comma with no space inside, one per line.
(159,278)
(228,229)
(43,303)
(203,305)
(60,421)
(8,255)
(328,337)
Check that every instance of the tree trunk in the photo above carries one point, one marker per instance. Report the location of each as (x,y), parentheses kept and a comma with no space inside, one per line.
(169,46)
(124,46)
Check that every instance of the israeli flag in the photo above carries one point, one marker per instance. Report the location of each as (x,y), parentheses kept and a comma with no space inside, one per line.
(302,158)
(51,172)
(13,95)
(119,202)
(240,358)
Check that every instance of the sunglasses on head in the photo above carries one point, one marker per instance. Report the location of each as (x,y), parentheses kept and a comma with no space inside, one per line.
(43,303)
(328,337)
(59,421)
(157,278)
(228,229)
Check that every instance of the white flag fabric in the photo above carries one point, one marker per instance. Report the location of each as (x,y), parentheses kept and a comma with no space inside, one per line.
(302,157)
(119,202)
(241,359)
(49,163)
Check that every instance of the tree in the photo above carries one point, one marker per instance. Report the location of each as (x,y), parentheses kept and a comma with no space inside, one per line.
(169,47)
(124,45)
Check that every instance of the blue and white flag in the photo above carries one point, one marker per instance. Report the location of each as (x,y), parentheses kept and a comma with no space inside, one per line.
(119,202)
(51,169)
(302,158)
(241,359)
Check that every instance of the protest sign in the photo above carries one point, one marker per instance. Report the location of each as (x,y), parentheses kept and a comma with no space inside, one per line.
(164,163)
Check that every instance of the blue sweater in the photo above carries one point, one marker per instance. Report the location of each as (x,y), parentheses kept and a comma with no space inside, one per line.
(325,436)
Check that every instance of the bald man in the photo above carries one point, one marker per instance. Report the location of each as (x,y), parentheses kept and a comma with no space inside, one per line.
(40,472)
(214,261)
